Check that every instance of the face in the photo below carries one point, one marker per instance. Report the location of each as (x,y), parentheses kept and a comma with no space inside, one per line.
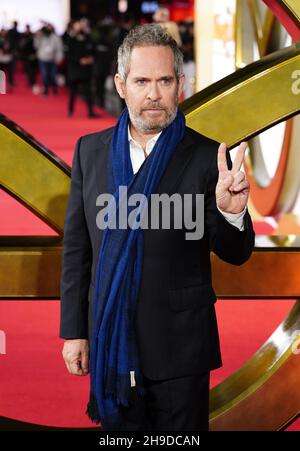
(77,27)
(151,91)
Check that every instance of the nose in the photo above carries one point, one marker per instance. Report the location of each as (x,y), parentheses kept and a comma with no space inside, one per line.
(154,93)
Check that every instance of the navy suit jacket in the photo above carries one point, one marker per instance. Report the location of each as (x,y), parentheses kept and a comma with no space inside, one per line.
(175,319)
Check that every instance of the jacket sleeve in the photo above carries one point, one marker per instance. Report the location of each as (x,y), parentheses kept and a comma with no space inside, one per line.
(225,240)
(76,261)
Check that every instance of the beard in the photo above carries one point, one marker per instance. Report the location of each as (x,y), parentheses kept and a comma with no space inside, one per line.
(148,125)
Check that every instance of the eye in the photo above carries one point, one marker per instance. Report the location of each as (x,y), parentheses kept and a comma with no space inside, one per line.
(166,81)
(141,82)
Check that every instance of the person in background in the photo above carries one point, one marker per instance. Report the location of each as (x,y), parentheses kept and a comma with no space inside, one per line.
(80,60)
(13,37)
(102,63)
(6,58)
(162,16)
(28,56)
(49,49)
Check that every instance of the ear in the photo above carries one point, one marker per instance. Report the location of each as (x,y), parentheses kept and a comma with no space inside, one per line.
(119,85)
(181,84)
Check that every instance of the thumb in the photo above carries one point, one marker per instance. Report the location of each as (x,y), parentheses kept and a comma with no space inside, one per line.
(85,362)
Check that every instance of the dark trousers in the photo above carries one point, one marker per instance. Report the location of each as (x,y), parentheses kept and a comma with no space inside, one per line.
(30,69)
(86,90)
(48,72)
(180,404)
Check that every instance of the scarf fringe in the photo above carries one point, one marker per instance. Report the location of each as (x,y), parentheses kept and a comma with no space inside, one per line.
(92,410)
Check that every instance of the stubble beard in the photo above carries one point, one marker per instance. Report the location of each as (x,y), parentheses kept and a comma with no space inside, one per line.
(148,125)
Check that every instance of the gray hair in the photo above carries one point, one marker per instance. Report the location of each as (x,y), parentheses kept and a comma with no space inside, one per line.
(144,36)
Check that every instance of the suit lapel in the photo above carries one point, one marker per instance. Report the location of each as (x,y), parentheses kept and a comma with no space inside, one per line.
(100,158)
(100,164)
(174,170)
(177,165)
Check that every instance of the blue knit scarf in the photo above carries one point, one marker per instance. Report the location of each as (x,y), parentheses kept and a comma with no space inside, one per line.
(114,350)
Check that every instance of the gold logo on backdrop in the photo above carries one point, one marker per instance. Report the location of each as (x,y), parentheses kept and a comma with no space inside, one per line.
(239,107)
(270,196)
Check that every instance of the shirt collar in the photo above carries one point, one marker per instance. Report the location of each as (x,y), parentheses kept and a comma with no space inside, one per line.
(153,139)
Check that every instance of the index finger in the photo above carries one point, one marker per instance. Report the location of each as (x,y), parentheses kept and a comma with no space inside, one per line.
(239,158)
(222,162)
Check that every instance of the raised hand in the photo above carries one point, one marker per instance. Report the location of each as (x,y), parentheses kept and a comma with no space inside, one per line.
(232,189)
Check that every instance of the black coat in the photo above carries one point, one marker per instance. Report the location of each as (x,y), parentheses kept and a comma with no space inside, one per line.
(78,47)
(175,319)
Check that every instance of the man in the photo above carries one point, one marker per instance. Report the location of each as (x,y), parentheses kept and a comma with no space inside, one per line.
(13,38)
(49,48)
(137,306)
(80,61)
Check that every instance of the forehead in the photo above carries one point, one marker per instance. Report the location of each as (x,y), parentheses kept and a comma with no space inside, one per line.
(151,61)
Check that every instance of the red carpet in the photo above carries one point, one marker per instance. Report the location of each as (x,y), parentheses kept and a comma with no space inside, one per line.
(35,385)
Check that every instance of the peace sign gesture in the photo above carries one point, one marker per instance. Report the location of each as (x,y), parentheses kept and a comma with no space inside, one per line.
(232,189)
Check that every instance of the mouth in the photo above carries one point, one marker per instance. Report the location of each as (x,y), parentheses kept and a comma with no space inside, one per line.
(154,109)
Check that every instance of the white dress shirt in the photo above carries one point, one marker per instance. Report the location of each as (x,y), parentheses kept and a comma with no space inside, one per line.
(137,157)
